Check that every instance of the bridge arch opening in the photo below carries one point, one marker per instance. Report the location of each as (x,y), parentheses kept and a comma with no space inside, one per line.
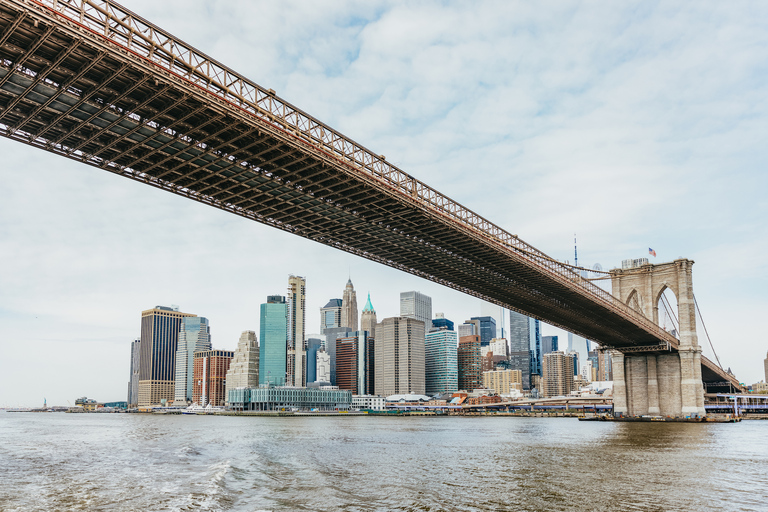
(666,311)
(634,301)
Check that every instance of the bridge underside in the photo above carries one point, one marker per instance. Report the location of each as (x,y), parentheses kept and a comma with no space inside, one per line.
(77,94)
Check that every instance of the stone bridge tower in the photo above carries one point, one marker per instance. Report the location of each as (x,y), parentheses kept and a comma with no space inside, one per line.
(661,383)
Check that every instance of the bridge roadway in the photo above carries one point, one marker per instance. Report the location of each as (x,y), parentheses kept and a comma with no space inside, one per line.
(92,81)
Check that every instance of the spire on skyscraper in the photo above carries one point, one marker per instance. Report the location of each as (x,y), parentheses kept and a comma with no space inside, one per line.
(368,305)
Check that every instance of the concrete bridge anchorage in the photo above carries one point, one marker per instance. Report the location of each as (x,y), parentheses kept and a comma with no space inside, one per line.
(650,380)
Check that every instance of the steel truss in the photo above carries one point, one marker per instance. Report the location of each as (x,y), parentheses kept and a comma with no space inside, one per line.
(94,82)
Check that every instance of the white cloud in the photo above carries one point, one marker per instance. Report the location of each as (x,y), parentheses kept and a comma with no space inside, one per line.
(630,124)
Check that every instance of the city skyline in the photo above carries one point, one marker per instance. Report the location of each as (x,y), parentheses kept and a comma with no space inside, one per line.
(553,148)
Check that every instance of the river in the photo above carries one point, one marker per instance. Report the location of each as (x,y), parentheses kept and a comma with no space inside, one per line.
(117,462)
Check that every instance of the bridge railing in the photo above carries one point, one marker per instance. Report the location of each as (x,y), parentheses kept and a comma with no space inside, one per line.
(121,26)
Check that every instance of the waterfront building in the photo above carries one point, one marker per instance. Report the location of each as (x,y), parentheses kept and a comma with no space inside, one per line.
(133,383)
(399,356)
(323,398)
(369,402)
(330,315)
(194,336)
(244,369)
(486,329)
(296,352)
(349,307)
(586,372)
(368,319)
(353,363)
(557,374)
(469,362)
(273,333)
(503,382)
(210,376)
(323,361)
(440,322)
(160,327)
(520,346)
(314,343)
(416,305)
(548,344)
(441,359)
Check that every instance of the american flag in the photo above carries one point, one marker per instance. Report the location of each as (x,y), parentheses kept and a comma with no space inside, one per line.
(652,252)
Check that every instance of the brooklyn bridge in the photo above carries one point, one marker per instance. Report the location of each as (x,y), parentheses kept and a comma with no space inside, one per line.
(91,81)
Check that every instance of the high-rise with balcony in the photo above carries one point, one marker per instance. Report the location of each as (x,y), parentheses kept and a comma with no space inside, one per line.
(297,348)
(470,363)
(160,327)
(194,336)
(399,356)
(349,307)
(273,336)
(557,374)
(441,358)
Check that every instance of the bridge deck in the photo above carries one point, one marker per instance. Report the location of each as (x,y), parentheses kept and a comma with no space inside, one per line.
(92,81)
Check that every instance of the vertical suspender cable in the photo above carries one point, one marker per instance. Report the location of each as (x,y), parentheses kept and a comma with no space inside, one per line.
(707,333)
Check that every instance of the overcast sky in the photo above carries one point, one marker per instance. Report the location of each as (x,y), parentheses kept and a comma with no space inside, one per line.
(633,125)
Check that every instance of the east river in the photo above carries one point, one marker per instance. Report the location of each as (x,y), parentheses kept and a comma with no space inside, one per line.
(57,461)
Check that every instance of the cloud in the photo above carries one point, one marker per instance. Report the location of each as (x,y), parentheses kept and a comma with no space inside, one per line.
(630,124)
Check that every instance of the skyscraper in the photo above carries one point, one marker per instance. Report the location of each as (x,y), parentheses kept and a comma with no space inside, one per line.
(244,369)
(416,305)
(194,336)
(160,329)
(313,345)
(470,363)
(296,349)
(399,356)
(548,344)
(209,377)
(441,359)
(440,322)
(487,325)
(534,330)
(557,374)
(353,363)
(330,315)
(468,328)
(323,366)
(368,320)
(349,307)
(519,346)
(133,384)
(579,345)
(273,334)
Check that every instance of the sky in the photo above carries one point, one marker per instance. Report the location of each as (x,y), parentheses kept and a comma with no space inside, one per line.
(633,125)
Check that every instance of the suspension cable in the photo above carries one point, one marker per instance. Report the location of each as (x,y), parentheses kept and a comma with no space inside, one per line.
(671,311)
(706,332)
